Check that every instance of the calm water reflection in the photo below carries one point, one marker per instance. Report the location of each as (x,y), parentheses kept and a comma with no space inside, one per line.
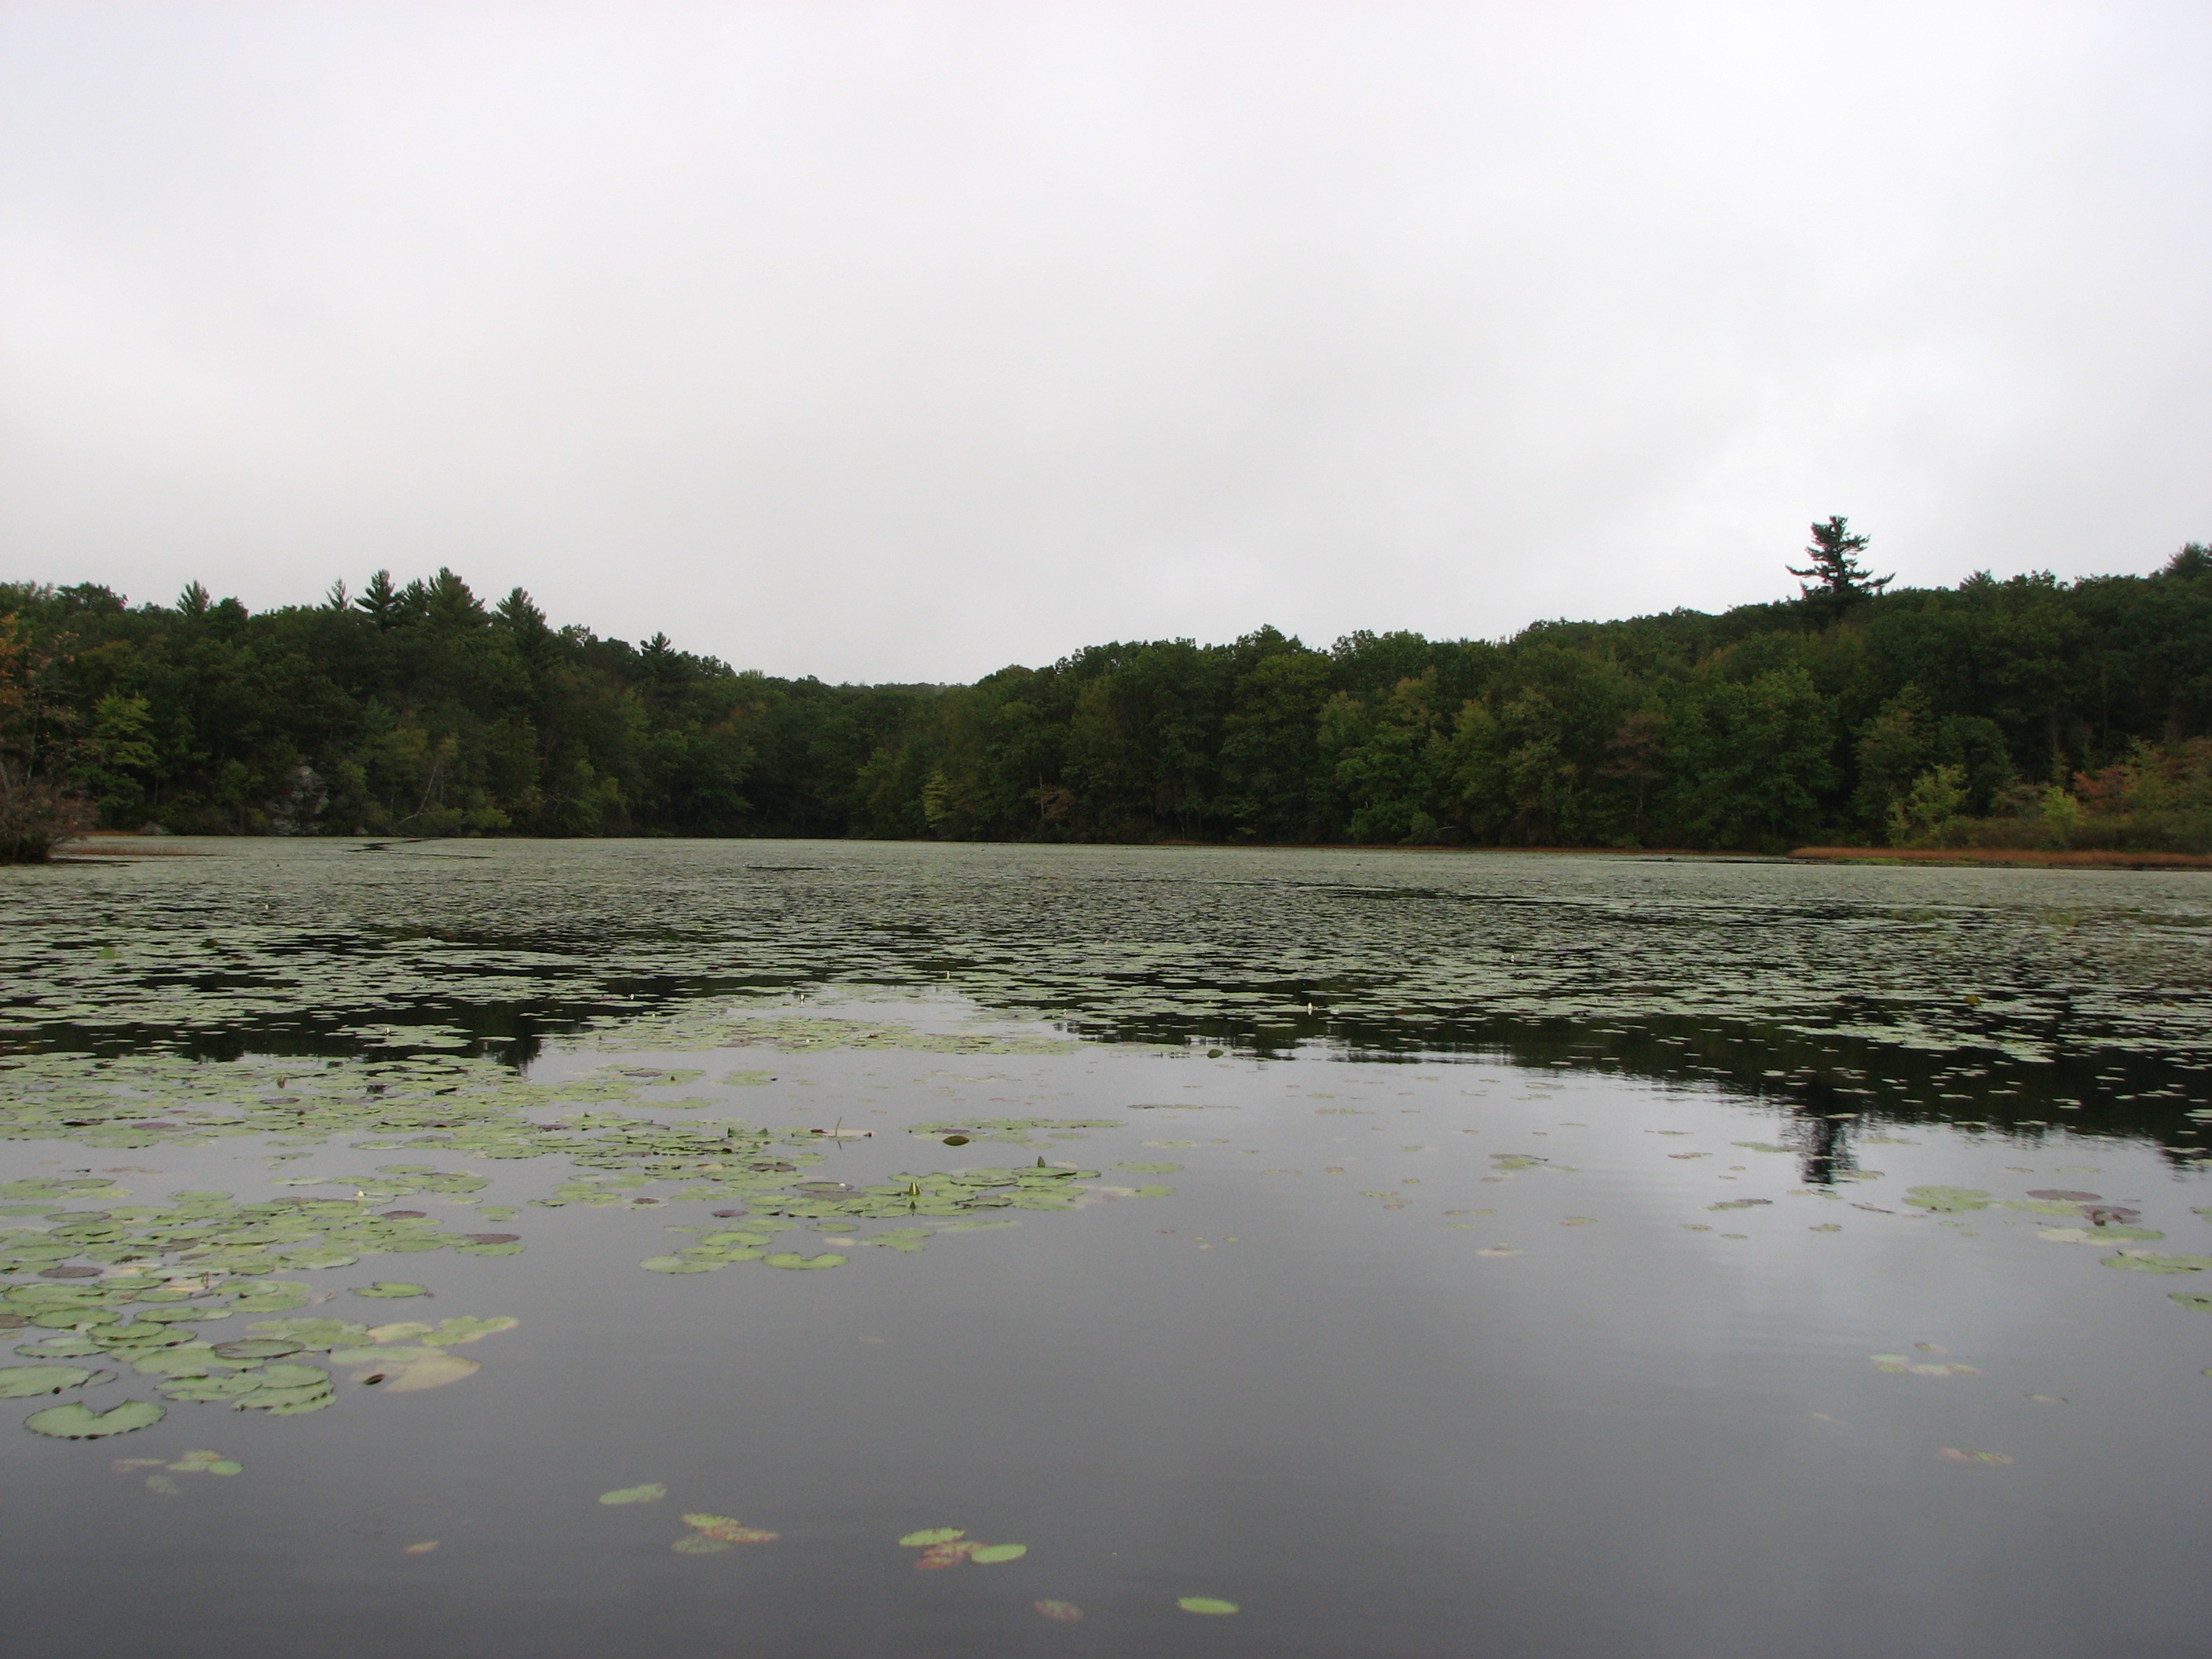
(1468,1329)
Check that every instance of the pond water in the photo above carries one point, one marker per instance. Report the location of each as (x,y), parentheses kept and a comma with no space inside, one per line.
(525,1250)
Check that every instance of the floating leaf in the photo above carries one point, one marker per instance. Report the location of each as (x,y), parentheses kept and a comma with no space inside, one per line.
(2197,1299)
(2149,1262)
(314,1333)
(433,1370)
(644,1494)
(791,1259)
(992,1554)
(1954,1455)
(77,1422)
(728,1529)
(1947,1199)
(73,1345)
(467,1329)
(256,1347)
(206,1462)
(933,1536)
(699,1543)
(392,1290)
(1207,1604)
(937,1557)
(25,1382)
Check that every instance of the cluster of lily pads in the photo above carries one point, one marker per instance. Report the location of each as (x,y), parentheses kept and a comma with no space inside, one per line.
(461,1104)
(954,1199)
(200,1238)
(722,1025)
(131,1284)
(265,1371)
(280,931)
(952,1546)
(2109,1224)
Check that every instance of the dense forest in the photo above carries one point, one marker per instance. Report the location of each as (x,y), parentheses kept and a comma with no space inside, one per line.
(2025,711)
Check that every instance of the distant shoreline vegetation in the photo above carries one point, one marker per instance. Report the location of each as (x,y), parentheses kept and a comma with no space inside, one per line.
(2025,713)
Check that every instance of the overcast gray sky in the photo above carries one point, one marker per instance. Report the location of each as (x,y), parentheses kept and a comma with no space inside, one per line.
(903,341)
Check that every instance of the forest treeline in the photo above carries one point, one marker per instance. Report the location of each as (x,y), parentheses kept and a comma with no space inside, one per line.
(2025,711)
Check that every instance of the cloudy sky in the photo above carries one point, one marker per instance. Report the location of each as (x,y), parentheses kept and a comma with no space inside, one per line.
(902,341)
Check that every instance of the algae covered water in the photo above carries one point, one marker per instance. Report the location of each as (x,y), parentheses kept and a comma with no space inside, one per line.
(695,1249)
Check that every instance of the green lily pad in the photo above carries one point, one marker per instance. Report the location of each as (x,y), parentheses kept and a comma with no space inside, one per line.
(676,1264)
(1211,1605)
(180,1313)
(2197,1299)
(314,1333)
(792,1260)
(256,1347)
(75,1422)
(74,1345)
(312,1260)
(930,1535)
(393,1289)
(271,1296)
(192,1360)
(644,1494)
(468,1328)
(23,1382)
(991,1553)
(2148,1262)
(1948,1200)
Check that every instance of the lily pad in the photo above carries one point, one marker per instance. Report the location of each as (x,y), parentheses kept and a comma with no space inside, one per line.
(392,1290)
(991,1554)
(24,1382)
(256,1347)
(1947,1199)
(728,1529)
(75,1422)
(1213,1606)
(644,1494)
(435,1370)
(314,1333)
(2149,1261)
(73,1345)
(792,1260)
(930,1535)
(2197,1299)
(467,1328)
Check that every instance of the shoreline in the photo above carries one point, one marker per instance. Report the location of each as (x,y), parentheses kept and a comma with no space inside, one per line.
(2016,857)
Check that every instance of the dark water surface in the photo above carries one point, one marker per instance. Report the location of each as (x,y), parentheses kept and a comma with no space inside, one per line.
(1533,1230)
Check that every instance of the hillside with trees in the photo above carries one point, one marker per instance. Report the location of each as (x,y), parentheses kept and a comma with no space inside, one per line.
(2017,712)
